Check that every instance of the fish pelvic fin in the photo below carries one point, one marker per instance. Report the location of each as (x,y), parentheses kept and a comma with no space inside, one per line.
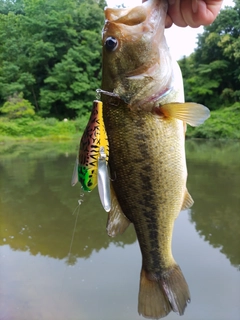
(159,295)
(192,113)
(117,222)
(187,201)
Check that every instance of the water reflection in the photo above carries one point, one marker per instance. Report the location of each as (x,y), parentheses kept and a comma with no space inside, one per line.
(214,181)
(100,277)
(37,203)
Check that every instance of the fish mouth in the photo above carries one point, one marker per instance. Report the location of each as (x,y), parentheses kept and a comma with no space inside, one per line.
(130,15)
(152,12)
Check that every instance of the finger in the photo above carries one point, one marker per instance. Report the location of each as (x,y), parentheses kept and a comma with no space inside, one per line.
(175,12)
(168,22)
(207,11)
(199,12)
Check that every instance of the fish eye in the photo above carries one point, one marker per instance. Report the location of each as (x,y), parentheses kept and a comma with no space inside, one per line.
(111,43)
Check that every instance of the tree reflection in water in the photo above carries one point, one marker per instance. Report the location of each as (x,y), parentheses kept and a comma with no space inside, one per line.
(37,201)
(214,181)
(37,204)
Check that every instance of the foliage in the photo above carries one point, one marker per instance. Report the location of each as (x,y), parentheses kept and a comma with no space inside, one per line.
(211,73)
(51,51)
(49,128)
(15,6)
(223,124)
(17,107)
(36,128)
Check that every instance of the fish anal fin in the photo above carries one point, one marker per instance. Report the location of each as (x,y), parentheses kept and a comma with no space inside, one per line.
(117,222)
(187,201)
(152,300)
(192,113)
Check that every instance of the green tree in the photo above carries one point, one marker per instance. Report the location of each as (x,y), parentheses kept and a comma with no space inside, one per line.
(17,107)
(15,6)
(52,53)
(212,72)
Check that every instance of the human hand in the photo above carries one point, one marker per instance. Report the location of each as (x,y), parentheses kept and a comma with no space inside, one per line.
(193,13)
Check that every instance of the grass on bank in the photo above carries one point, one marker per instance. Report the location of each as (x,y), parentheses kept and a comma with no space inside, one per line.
(223,124)
(40,129)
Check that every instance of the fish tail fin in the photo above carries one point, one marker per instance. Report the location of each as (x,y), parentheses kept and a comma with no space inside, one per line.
(152,300)
(176,289)
(159,295)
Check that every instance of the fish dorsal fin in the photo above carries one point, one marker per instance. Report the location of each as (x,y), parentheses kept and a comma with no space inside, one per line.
(117,222)
(187,201)
(189,112)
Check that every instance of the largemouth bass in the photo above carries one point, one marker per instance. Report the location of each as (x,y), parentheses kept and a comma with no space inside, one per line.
(145,118)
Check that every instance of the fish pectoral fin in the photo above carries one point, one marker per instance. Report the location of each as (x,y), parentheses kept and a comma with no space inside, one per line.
(75,174)
(192,113)
(117,222)
(187,201)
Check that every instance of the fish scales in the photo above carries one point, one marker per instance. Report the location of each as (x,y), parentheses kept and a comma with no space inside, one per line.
(147,166)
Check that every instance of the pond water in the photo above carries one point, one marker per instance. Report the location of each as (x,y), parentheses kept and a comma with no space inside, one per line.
(57,261)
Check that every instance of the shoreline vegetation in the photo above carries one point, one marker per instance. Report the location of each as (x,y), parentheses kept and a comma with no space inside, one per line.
(223,124)
(48,129)
(51,66)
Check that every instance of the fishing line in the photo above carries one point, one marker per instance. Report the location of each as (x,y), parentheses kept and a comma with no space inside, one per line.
(80,201)
(77,209)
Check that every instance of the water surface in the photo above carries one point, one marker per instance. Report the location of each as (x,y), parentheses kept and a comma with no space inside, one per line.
(48,274)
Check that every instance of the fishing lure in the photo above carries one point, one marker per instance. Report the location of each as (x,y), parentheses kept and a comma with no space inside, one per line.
(103,183)
(93,154)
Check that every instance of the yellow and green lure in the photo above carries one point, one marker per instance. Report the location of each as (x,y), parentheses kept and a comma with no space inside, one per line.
(91,165)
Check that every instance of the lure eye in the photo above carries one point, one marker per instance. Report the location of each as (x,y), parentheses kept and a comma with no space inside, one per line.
(111,43)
